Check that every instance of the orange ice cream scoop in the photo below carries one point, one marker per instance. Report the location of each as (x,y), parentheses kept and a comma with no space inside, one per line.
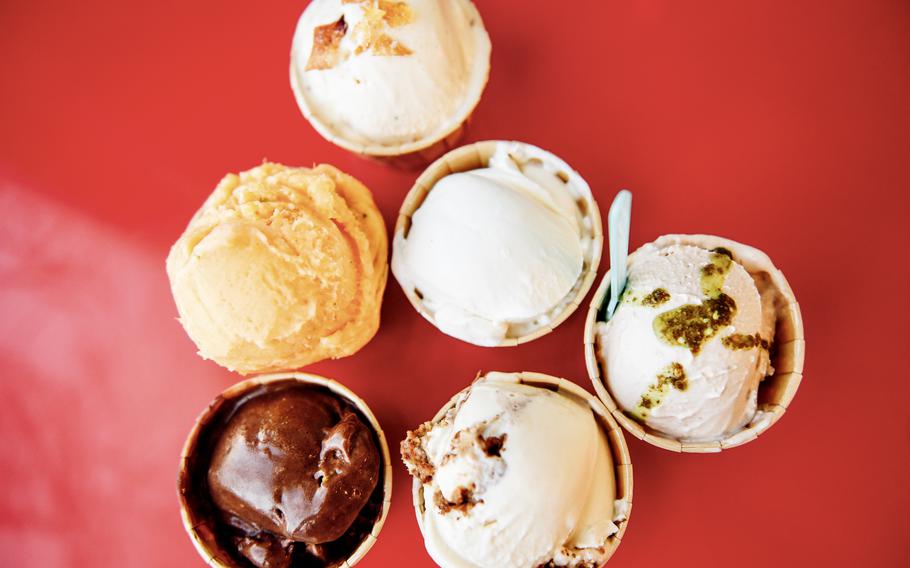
(280,268)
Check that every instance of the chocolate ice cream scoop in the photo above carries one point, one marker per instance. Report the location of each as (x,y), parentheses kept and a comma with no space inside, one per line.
(284,471)
(296,463)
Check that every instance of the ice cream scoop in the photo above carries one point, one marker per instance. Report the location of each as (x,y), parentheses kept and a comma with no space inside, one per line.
(686,349)
(501,252)
(294,462)
(389,77)
(281,267)
(285,471)
(517,472)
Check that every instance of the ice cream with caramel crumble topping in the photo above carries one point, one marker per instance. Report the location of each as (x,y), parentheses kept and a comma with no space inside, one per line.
(387,77)
(514,475)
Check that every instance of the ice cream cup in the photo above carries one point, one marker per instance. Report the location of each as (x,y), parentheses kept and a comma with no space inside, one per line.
(622,463)
(201,531)
(411,155)
(471,157)
(775,392)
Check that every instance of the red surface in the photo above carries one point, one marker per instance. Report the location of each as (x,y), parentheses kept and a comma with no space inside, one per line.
(782,124)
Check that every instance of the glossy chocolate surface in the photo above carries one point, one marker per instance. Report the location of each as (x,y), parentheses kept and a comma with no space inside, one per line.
(288,474)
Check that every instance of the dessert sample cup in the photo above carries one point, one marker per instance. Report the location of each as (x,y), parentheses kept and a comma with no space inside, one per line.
(392,81)
(574,193)
(622,466)
(787,353)
(196,510)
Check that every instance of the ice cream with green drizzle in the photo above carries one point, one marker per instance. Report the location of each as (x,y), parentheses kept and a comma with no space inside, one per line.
(691,325)
(688,345)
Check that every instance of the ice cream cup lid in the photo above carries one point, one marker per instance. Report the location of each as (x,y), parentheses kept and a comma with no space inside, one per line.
(477,155)
(201,531)
(622,462)
(775,392)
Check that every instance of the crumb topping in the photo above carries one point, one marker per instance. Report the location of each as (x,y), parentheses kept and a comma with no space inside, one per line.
(657,297)
(466,442)
(714,274)
(492,445)
(553,564)
(370,34)
(673,376)
(693,325)
(326,43)
(653,299)
(415,456)
(384,44)
(463,500)
(724,251)
(396,13)
(736,341)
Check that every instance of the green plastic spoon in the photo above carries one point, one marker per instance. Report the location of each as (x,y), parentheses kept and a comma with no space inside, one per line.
(618,222)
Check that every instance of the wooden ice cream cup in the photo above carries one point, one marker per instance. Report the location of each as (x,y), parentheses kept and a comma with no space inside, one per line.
(201,529)
(414,154)
(475,156)
(775,392)
(622,463)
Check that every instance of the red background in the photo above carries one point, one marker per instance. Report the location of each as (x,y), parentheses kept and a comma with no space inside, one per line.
(783,124)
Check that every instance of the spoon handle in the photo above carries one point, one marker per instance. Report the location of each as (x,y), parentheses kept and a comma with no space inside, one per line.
(618,223)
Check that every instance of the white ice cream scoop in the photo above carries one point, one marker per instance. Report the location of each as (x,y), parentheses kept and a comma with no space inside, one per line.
(500,253)
(515,475)
(389,77)
(689,342)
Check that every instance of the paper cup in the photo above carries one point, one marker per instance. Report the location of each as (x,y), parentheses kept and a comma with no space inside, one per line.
(418,153)
(622,463)
(200,528)
(775,392)
(472,157)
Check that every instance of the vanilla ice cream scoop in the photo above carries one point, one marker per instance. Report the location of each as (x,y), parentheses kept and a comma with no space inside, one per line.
(515,476)
(389,76)
(500,252)
(689,343)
